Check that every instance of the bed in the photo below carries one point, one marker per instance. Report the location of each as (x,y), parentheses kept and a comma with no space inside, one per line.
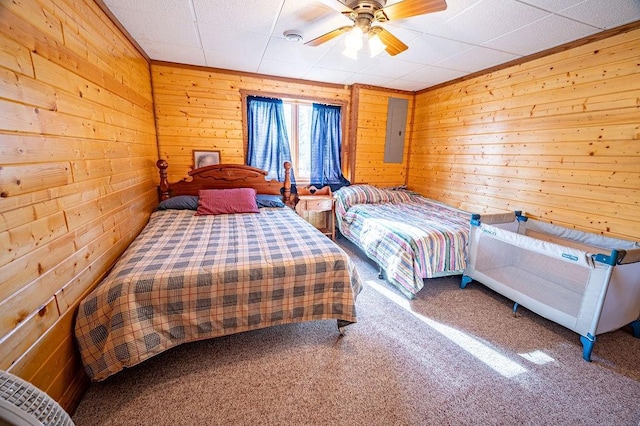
(189,277)
(585,282)
(409,236)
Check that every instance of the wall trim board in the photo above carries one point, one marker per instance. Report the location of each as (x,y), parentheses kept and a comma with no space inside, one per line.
(411,138)
(563,47)
(353,132)
(382,89)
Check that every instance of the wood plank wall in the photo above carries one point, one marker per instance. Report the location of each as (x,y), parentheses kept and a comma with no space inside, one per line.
(201,108)
(558,137)
(77,176)
(370,106)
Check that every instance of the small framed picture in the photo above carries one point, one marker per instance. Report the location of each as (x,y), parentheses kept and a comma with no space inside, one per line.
(205,158)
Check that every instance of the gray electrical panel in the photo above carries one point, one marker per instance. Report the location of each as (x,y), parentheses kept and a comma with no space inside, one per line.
(396,125)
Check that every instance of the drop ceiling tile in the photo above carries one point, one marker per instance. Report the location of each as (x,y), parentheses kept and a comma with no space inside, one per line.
(232,43)
(551,5)
(285,51)
(219,59)
(476,59)
(178,9)
(428,49)
(328,75)
(256,16)
(604,13)
(391,68)
(552,30)
(373,80)
(281,69)
(429,75)
(487,20)
(157,27)
(173,53)
(410,86)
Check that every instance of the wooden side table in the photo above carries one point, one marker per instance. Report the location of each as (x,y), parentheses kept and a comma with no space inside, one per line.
(318,210)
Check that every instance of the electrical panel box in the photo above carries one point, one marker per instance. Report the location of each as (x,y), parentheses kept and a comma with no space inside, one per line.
(396,127)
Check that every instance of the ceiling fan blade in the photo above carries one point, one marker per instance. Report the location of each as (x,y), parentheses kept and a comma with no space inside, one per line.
(328,36)
(393,43)
(407,8)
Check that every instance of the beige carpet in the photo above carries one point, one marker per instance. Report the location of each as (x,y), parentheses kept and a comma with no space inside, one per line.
(450,357)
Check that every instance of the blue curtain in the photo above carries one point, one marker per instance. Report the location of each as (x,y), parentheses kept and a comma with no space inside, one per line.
(326,143)
(268,144)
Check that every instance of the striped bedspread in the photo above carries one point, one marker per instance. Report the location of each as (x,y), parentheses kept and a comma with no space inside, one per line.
(189,277)
(410,239)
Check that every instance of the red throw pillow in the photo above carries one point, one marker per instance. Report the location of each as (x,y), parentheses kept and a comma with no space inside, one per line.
(225,201)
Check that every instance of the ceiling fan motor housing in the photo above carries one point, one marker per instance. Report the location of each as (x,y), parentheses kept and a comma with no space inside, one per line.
(365,12)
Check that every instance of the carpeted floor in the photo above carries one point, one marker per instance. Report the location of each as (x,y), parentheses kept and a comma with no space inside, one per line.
(451,356)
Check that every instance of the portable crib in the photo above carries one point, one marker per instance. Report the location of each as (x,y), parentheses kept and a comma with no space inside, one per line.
(585,282)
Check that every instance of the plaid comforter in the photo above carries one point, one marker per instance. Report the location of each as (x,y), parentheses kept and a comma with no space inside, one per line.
(189,277)
(411,239)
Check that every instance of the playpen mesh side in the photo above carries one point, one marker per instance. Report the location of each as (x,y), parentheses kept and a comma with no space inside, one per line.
(552,281)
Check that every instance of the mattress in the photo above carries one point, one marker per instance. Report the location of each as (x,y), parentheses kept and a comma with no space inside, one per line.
(189,277)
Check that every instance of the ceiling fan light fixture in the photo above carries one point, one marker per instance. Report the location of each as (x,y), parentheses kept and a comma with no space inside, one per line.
(376,46)
(353,41)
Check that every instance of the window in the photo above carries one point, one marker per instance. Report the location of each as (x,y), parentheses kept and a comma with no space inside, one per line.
(298,121)
(307,134)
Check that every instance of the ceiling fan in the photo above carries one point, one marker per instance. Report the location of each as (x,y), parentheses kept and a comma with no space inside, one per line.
(365,14)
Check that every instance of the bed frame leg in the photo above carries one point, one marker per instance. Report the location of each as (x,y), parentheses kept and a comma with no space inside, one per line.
(515,309)
(635,328)
(587,346)
(465,280)
(380,273)
(342,324)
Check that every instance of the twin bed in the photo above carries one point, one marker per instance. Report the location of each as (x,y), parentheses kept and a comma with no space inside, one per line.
(190,276)
(409,236)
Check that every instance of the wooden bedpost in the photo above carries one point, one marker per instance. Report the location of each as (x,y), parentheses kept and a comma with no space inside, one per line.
(287,185)
(162,166)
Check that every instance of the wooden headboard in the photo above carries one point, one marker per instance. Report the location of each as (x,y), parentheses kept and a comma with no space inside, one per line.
(225,176)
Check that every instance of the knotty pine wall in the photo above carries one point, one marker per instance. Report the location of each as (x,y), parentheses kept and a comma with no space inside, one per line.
(370,118)
(558,137)
(77,176)
(201,108)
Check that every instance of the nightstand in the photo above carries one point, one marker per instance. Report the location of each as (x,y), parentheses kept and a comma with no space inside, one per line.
(318,210)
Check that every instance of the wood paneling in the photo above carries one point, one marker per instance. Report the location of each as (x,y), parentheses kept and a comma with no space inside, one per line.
(370,133)
(557,137)
(201,108)
(77,176)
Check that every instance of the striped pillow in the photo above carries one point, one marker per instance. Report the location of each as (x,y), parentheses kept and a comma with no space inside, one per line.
(359,194)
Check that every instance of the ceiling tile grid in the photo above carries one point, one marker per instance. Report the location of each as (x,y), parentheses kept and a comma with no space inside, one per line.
(467,37)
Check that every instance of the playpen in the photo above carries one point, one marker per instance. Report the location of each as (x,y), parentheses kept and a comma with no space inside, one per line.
(585,282)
